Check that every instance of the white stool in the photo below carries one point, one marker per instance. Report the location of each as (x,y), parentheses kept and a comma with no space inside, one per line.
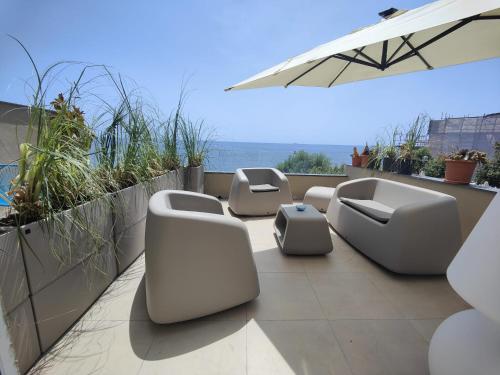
(319,197)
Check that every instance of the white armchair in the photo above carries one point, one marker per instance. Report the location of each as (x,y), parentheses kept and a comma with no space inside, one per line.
(198,261)
(259,191)
(402,227)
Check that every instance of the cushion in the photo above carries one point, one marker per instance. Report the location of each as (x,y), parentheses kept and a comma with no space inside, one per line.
(263,188)
(373,209)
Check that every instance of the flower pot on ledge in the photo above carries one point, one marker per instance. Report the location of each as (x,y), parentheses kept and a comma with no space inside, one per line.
(194,179)
(364,160)
(459,171)
(356,161)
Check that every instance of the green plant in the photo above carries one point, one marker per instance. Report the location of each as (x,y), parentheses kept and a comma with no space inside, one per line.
(376,156)
(128,150)
(55,174)
(435,167)
(309,163)
(412,138)
(490,171)
(390,149)
(465,154)
(422,156)
(169,133)
(196,141)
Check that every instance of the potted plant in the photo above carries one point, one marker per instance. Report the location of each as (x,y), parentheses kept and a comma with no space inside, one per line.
(407,151)
(356,159)
(460,166)
(390,152)
(365,156)
(374,159)
(490,171)
(196,144)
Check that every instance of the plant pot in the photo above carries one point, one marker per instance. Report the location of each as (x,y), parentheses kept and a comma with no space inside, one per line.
(388,164)
(194,179)
(356,161)
(404,166)
(459,171)
(372,163)
(364,160)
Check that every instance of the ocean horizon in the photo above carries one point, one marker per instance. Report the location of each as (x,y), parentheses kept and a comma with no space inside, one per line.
(227,156)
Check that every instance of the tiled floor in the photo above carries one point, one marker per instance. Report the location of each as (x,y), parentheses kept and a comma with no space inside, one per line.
(334,314)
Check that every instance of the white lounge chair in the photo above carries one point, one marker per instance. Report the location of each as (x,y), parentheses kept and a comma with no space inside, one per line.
(258,191)
(198,261)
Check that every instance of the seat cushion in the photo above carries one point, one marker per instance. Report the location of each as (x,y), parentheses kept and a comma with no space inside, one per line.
(373,209)
(263,188)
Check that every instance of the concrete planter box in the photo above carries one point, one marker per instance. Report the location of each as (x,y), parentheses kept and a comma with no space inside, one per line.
(46,287)
(17,303)
(130,208)
(194,178)
(68,269)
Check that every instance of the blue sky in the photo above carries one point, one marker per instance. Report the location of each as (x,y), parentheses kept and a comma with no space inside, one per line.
(219,43)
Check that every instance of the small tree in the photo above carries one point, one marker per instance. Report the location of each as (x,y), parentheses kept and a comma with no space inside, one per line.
(313,163)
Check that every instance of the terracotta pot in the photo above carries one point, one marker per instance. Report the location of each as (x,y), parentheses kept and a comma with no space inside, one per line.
(459,171)
(364,160)
(356,161)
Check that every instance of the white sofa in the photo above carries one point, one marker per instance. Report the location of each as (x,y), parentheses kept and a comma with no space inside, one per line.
(198,261)
(406,229)
(258,191)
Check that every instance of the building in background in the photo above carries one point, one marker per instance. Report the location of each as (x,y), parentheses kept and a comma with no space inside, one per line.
(478,133)
(13,127)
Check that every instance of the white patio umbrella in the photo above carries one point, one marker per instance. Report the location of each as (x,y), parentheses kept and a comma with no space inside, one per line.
(442,33)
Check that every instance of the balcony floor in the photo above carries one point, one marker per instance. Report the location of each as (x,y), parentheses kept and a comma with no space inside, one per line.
(335,314)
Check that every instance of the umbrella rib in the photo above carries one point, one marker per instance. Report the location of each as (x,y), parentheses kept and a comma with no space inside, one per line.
(399,48)
(418,54)
(342,56)
(434,39)
(307,71)
(360,52)
(345,67)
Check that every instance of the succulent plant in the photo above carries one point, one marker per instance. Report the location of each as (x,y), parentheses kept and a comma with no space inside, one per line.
(465,154)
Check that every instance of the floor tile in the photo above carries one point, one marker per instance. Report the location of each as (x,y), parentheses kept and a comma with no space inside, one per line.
(125,300)
(99,348)
(340,260)
(419,297)
(198,347)
(271,259)
(382,347)
(426,327)
(294,347)
(351,296)
(285,296)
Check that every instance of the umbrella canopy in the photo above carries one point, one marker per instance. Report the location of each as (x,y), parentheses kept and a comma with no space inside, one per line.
(442,33)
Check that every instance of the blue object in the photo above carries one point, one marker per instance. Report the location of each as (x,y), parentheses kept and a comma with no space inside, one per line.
(7,173)
(300,207)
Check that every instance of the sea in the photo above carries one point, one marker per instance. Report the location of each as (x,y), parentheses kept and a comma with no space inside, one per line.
(228,156)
